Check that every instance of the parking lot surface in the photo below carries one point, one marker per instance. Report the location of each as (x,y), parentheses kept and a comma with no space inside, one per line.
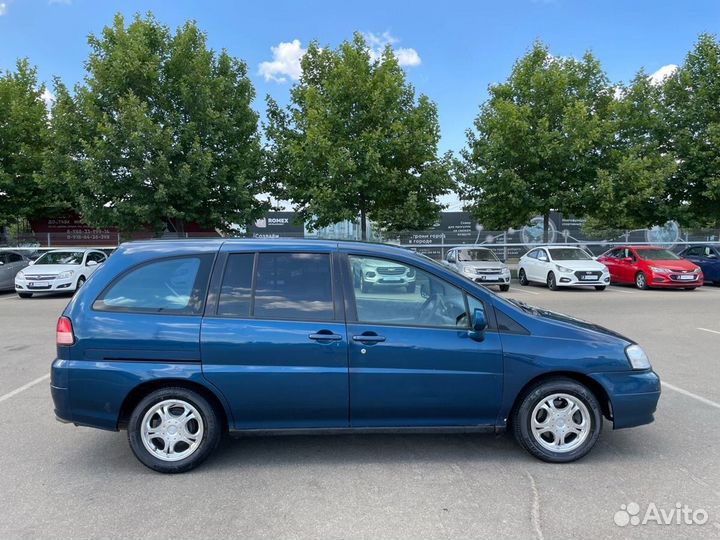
(61,481)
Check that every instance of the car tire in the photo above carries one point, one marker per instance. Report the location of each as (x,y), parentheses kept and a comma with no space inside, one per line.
(522,278)
(600,287)
(177,402)
(546,403)
(410,288)
(504,288)
(25,294)
(641,281)
(552,282)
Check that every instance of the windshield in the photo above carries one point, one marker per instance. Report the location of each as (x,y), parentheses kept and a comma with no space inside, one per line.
(568,254)
(657,255)
(61,257)
(485,255)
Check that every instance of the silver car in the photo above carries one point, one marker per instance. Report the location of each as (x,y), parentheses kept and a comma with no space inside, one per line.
(11,262)
(480,265)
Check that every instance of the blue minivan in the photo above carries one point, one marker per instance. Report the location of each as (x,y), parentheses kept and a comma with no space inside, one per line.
(180,341)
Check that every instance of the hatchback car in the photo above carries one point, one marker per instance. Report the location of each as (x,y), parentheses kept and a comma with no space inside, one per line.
(648,267)
(11,262)
(58,271)
(707,257)
(480,265)
(562,266)
(179,341)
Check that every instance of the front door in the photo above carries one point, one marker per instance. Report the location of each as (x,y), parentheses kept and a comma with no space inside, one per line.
(274,341)
(412,360)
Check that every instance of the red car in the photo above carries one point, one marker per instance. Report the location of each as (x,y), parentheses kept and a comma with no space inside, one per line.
(647,266)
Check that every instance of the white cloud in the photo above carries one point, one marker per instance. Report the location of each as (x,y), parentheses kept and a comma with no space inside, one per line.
(48,97)
(663,73)
(377,43)
(285,62)
(3,8)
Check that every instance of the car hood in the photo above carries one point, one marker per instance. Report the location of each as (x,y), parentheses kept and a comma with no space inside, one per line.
(482,265)
(679,265)
(582,265)
(567,320)
(50,268)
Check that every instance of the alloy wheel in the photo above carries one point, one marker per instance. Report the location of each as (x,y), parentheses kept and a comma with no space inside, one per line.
(172,430)
(560,423)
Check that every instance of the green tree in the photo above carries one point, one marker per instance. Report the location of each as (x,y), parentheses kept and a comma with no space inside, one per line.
(631,187)
(354,142)
(538,141)
(161,129)
(23,139)
(692,99)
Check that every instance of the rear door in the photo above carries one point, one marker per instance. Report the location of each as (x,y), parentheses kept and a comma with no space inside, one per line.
(274,339)
(412,360)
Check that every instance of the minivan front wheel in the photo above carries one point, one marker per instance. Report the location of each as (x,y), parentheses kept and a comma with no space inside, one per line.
(173,430)
(558,421)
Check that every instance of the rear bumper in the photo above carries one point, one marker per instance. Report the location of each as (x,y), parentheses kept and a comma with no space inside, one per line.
(633,396)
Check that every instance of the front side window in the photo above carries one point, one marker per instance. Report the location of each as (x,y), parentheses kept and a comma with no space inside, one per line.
(95,256)
(293,286)
(174,286)
(389,292)
(542,256)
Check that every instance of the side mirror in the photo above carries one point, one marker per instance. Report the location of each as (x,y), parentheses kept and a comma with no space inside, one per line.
(628,260)
(479,324)
(31,263)
(1,263)
(91,263)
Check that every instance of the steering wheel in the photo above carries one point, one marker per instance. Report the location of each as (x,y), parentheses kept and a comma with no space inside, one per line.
(433,305)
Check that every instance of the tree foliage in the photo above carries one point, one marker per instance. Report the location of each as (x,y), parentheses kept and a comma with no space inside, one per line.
(539,140)
(23,139)
(692,123)
(161,129)
(354,141)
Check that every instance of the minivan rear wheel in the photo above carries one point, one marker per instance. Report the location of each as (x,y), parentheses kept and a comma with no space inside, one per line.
(173,430)
(559,420)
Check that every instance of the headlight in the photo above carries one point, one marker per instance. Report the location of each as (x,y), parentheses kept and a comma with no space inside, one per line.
(506,270)
(563,268)
(20,274)
(638,358)
(659,270)
(697,270)
(468,270)
(66,275)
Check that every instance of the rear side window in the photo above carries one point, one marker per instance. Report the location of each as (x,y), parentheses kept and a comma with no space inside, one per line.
(174,286)
(236,293)
(293,286)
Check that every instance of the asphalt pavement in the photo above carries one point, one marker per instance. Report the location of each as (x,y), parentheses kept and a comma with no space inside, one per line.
(58,480)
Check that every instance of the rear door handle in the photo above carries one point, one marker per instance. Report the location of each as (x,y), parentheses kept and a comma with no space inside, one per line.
(325,337)
(369,339)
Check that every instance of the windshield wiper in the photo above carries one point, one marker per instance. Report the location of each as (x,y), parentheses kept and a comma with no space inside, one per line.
(522,305)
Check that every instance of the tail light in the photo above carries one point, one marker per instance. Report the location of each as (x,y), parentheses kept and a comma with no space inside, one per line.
(64,334)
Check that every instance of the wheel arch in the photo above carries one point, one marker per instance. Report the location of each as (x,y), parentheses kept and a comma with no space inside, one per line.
(595,387)
(140,391)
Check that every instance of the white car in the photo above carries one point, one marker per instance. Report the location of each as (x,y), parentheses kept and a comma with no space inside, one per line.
(480,265)
(562,266)
(61,270)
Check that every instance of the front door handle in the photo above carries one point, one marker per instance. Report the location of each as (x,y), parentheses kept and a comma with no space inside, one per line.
(369,339)
(322,336)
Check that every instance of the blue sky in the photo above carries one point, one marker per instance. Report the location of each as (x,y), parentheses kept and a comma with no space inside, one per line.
(453,50)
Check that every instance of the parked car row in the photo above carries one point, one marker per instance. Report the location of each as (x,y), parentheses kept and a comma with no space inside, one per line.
(571,266)
(55,271)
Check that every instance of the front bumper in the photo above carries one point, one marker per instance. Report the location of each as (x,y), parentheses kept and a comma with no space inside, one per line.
(633,396)
(570,279)
(676,280)
(55,285)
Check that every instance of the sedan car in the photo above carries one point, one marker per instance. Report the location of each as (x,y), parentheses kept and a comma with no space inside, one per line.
(648,266)
(11,262)
(565,266)
(707,257)
(480,265)
(179,342)
(58,271)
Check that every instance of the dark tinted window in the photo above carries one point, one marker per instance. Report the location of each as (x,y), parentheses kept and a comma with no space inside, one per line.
(169,286)
(236,293)
(508,325)
(293,286)
(95,256)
